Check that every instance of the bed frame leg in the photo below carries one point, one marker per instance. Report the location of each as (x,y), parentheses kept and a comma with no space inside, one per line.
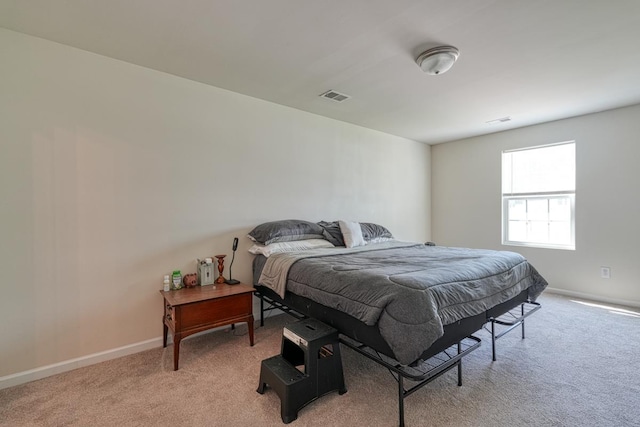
(459,365)
(512,323)
(493,339)
(522,314)
(261,312)
(400,401)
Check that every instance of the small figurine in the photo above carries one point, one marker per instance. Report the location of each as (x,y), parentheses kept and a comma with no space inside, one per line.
(190,280)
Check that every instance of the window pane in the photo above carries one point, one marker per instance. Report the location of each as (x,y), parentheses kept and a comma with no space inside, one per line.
(506,173)
(518,209)
(560,209)
(518,231)
(539,170)
(538,209)
(539,231)
(560,233)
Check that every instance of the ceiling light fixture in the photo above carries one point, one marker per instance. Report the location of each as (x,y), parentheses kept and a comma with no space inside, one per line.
(438,60)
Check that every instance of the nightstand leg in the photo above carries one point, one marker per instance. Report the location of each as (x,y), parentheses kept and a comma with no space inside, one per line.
(250,325)
(165,331)
(176,350)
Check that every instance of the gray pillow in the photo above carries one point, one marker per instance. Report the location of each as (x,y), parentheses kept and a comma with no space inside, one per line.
(372,231)
(331,231)
(286,230)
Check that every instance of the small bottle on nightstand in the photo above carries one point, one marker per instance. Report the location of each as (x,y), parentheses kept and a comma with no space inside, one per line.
(166,284)
(177,280)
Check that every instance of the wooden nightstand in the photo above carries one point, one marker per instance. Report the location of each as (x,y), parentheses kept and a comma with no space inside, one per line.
(191,310)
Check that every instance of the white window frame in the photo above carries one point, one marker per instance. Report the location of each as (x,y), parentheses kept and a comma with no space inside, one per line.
(506,197)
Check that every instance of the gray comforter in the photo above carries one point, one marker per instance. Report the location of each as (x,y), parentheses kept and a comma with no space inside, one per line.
(409,290)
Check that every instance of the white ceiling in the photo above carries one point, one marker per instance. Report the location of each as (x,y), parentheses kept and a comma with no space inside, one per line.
(535,61)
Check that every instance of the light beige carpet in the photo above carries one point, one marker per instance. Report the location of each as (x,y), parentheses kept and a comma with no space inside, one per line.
(578,366)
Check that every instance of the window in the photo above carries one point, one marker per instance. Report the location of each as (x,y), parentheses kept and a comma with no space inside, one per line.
(538,196)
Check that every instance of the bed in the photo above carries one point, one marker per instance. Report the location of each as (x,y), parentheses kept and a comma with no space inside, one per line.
(399,303)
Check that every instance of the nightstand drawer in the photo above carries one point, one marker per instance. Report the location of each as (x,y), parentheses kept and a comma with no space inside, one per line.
(170,315)
(214,311)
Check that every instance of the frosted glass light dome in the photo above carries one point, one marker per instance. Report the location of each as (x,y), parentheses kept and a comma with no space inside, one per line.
(438,60)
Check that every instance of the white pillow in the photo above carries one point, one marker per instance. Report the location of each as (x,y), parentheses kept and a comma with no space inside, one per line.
(296,245)
(351,233)
(380,240)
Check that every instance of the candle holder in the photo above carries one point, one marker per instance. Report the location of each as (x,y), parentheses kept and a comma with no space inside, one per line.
(220,278)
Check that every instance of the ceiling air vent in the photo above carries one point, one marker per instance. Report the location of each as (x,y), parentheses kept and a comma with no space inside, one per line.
(500,120)
(335,96)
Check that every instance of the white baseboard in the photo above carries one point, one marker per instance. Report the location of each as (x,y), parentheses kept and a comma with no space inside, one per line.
(91,359)
(68,365)
(591,297)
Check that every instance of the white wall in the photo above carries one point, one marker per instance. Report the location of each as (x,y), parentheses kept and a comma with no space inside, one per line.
(112,175)
(466,200)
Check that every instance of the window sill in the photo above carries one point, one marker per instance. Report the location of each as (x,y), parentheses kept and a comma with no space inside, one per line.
(541,245)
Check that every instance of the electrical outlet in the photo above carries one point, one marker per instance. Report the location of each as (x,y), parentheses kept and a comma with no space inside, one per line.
(605,272)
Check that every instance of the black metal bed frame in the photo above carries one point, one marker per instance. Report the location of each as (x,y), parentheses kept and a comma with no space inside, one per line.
(423,371)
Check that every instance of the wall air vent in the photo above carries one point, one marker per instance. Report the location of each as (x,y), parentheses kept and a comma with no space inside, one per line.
(500,120)
(335,96)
